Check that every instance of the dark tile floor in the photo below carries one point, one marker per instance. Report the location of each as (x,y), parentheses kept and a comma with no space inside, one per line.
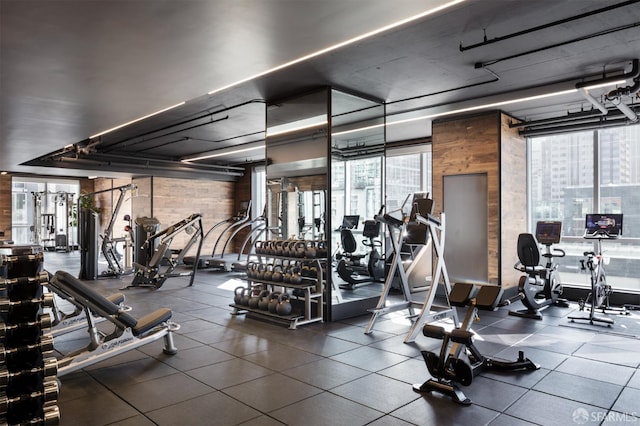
(235,370)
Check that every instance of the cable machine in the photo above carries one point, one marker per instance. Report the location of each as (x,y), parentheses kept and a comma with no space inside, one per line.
(52,227)
(108,242)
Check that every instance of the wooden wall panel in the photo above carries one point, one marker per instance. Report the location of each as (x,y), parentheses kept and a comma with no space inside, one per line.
(243,191)
(513,187)
(470,145)
(176,199)
(5,206)
(483,143)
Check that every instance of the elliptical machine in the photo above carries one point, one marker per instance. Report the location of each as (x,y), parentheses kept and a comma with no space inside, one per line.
(541,286)
(350,267)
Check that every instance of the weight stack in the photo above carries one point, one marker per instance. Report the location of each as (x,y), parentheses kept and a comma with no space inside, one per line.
(28,383)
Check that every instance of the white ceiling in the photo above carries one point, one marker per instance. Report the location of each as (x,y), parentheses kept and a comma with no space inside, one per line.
(70,69)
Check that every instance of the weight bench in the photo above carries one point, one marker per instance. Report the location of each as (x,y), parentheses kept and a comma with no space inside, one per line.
(459,359)
(67,322)
(129,332)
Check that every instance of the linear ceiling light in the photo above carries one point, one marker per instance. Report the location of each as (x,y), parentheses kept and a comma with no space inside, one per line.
(342,44)
(475,108)
(221,154)
(508,102)
(299,125)
(136,120)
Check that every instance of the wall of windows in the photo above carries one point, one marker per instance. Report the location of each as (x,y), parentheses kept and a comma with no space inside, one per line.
(408,171)
(42,210)
(573,174)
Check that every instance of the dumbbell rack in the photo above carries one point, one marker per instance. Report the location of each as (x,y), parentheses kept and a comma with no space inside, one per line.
(28,385)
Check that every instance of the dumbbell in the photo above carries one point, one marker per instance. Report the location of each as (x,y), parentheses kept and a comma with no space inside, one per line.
(22,265)
(24,287)
(45,345)
(24,310)
(9,329)
(50,417)
(18,406)
(28,377)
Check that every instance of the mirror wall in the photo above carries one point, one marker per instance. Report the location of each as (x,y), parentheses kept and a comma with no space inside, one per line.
(296,166)
(313,139)
(357,190)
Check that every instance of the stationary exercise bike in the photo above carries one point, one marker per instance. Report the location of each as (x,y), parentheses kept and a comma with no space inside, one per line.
(541,286)
(599,227)
(350,267)
(459,360)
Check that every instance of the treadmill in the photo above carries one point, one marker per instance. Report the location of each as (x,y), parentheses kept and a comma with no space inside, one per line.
(228,226)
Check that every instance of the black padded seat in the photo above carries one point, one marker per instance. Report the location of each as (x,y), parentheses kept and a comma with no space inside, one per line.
(87,296)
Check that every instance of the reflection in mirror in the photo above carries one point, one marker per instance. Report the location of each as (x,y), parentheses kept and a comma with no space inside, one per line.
(357,162)
(297,148)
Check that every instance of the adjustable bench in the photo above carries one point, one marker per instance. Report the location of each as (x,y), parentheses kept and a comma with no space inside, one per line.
(67,322)
(129,332)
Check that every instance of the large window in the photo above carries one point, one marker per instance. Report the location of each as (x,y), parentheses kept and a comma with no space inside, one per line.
(408,171)
(43,210)
(574,174)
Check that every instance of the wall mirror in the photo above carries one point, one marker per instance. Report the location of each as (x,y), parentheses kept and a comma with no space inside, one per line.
(357,188)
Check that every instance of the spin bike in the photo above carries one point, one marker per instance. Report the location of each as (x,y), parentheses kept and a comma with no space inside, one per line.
(541,286)
(350,267)
(599,227)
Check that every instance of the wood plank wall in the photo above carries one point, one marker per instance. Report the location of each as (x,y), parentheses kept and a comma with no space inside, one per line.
(176,199)
(483,143)
(5,206)
(513,199)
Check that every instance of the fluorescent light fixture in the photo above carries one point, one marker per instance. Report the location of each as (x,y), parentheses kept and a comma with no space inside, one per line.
(221,153)
(342,44)
(295,126)
(136,120)
(3,172)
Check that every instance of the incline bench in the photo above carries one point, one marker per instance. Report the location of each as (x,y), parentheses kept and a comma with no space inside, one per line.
(129,332)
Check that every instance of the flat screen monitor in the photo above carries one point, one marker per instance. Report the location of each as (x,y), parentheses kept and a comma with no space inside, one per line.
(548,232)
(350,221)
(603,224)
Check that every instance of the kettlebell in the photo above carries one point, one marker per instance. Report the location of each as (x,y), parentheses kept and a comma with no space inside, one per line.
(268,273)
(260,272)
(284,304)
(276,275)
(263,302)
(255,297)
(277,251)
(237,295)
(296,277)
(321,249)
(273,302)
(310,250)
(244,301)
(259,247)
(300,248)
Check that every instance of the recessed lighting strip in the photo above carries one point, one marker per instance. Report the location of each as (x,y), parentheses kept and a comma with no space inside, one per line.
(136,120)
(479,107)
(342,44)
(221,154)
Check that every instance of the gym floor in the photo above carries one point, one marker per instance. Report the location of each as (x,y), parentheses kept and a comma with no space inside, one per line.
(232,370)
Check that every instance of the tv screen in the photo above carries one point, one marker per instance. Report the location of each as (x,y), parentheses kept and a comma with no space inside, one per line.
(548,232)
(603,224)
